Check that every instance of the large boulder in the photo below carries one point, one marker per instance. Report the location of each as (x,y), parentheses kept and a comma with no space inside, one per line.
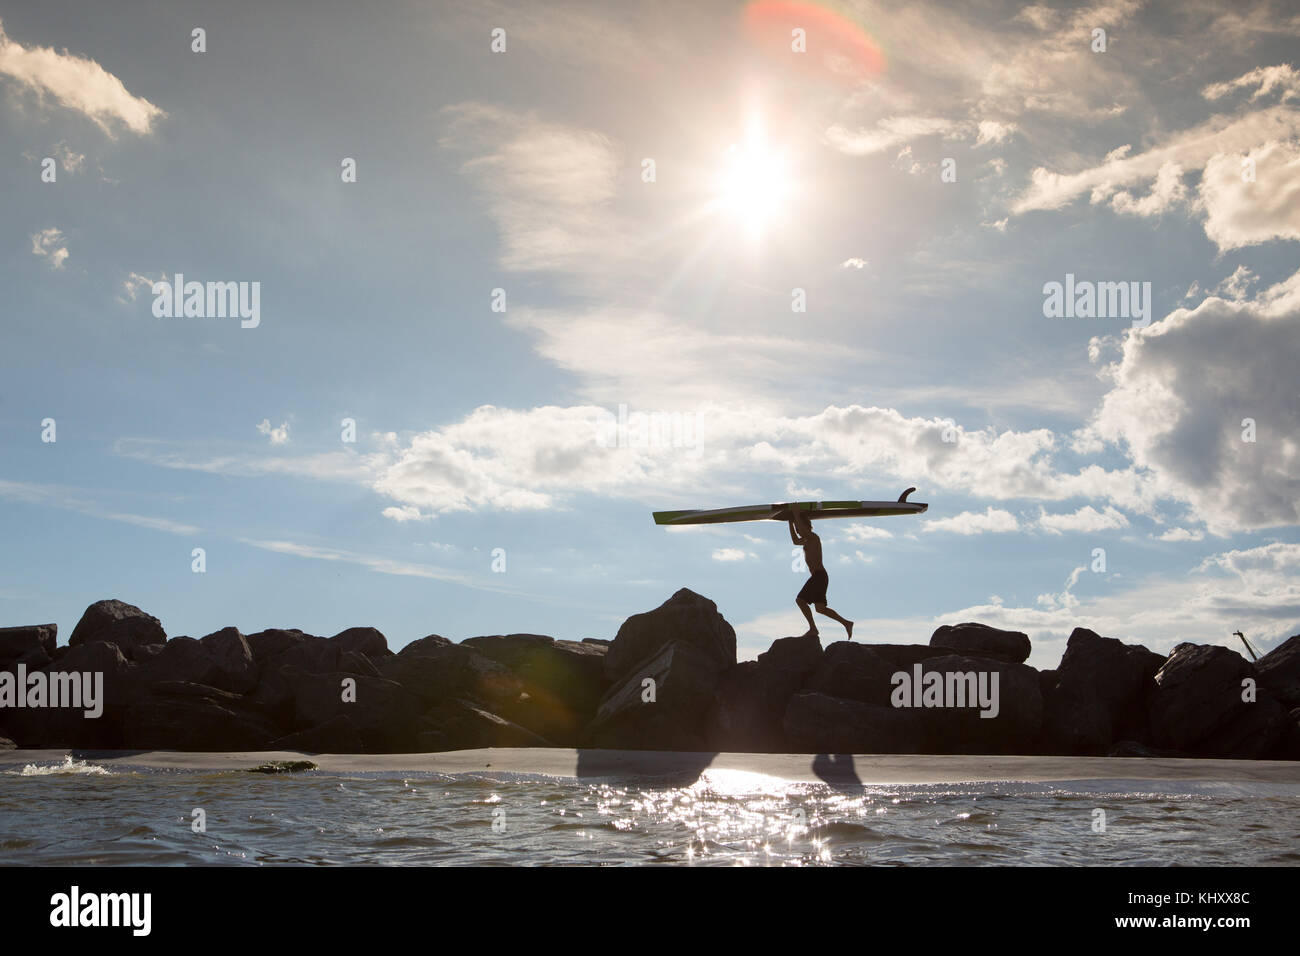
(232,660)
(272,642)
(685,680)
(981,640)
(457,724)
(1197,705)
(116,622)
(686,618)
(1098,694)
(1014,720)
(562,681)
(31,644)
(1279,671)
(363,640)
(438,670)
(177,715)
(818,723)
(749,708)
(853,671)
(111,674)
(343,653)
(905,655)
(222,660)
(383,712)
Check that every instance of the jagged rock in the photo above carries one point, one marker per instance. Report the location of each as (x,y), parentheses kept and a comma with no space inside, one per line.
(751,699)
(177,715)
(853,671)
(70,727)
(981,640)
(686,618)
(384,712)
(1197,705)
(273,642)
(905,655)
(438,670)
(337,735)
(330,655)
(1017,725)
(363,640)
(1279,671)
(116,622)
(457,724)
(562,679)
(31,644)
(222,660)
(1099,694)
(819,723)
(685,679)
(232,660)
(7,744)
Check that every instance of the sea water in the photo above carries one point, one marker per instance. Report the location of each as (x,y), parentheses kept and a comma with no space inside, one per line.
(76,812)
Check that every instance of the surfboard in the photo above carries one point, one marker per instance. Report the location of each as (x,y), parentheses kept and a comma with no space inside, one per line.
(781,512)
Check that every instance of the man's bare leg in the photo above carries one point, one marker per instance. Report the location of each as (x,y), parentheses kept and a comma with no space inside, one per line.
(812,626)
(848,625)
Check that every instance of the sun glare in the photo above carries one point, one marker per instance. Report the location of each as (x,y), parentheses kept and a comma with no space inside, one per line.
(754,186)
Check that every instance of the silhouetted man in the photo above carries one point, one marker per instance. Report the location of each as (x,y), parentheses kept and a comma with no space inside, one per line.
(814,590)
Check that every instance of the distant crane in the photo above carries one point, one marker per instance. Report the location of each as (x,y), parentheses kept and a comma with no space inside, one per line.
(1247,643)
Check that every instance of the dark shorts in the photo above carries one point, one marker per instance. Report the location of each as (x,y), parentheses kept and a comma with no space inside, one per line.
(814,590)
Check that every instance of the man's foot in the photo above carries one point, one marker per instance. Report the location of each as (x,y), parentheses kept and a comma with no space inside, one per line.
(848,626)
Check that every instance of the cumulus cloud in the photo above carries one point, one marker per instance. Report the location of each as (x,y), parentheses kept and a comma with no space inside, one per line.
(78,84)
(992,520)
(1186,427)
(278,436)
(1085,519)
(1244,207)
(50,245)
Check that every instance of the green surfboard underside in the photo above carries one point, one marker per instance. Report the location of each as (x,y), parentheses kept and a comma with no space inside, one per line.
(781,512)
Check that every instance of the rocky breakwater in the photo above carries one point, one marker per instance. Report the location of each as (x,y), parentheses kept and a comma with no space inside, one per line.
(668,680)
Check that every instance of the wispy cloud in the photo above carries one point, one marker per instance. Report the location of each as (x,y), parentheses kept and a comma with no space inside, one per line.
(78,84)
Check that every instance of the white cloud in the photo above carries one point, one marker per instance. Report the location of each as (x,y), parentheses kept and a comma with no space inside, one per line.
(49,244)
(992,520)
(1239,212)
(76,83)
(1265,80)
(865,532)
(991,131)
(888,133)
(1184,425)
(855,263)
(278,436)
(1085,519)
(1182,534)
(731,554)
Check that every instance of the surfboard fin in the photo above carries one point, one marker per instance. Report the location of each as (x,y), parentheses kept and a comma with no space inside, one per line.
(903,496)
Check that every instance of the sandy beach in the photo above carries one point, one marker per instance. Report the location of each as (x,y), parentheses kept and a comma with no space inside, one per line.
(577,764)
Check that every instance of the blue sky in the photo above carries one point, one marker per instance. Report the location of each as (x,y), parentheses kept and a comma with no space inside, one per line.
(775,170)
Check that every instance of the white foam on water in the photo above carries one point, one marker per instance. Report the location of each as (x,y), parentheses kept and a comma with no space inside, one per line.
(69,766)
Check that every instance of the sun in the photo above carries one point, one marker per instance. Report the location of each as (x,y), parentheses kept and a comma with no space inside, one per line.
(754,185)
